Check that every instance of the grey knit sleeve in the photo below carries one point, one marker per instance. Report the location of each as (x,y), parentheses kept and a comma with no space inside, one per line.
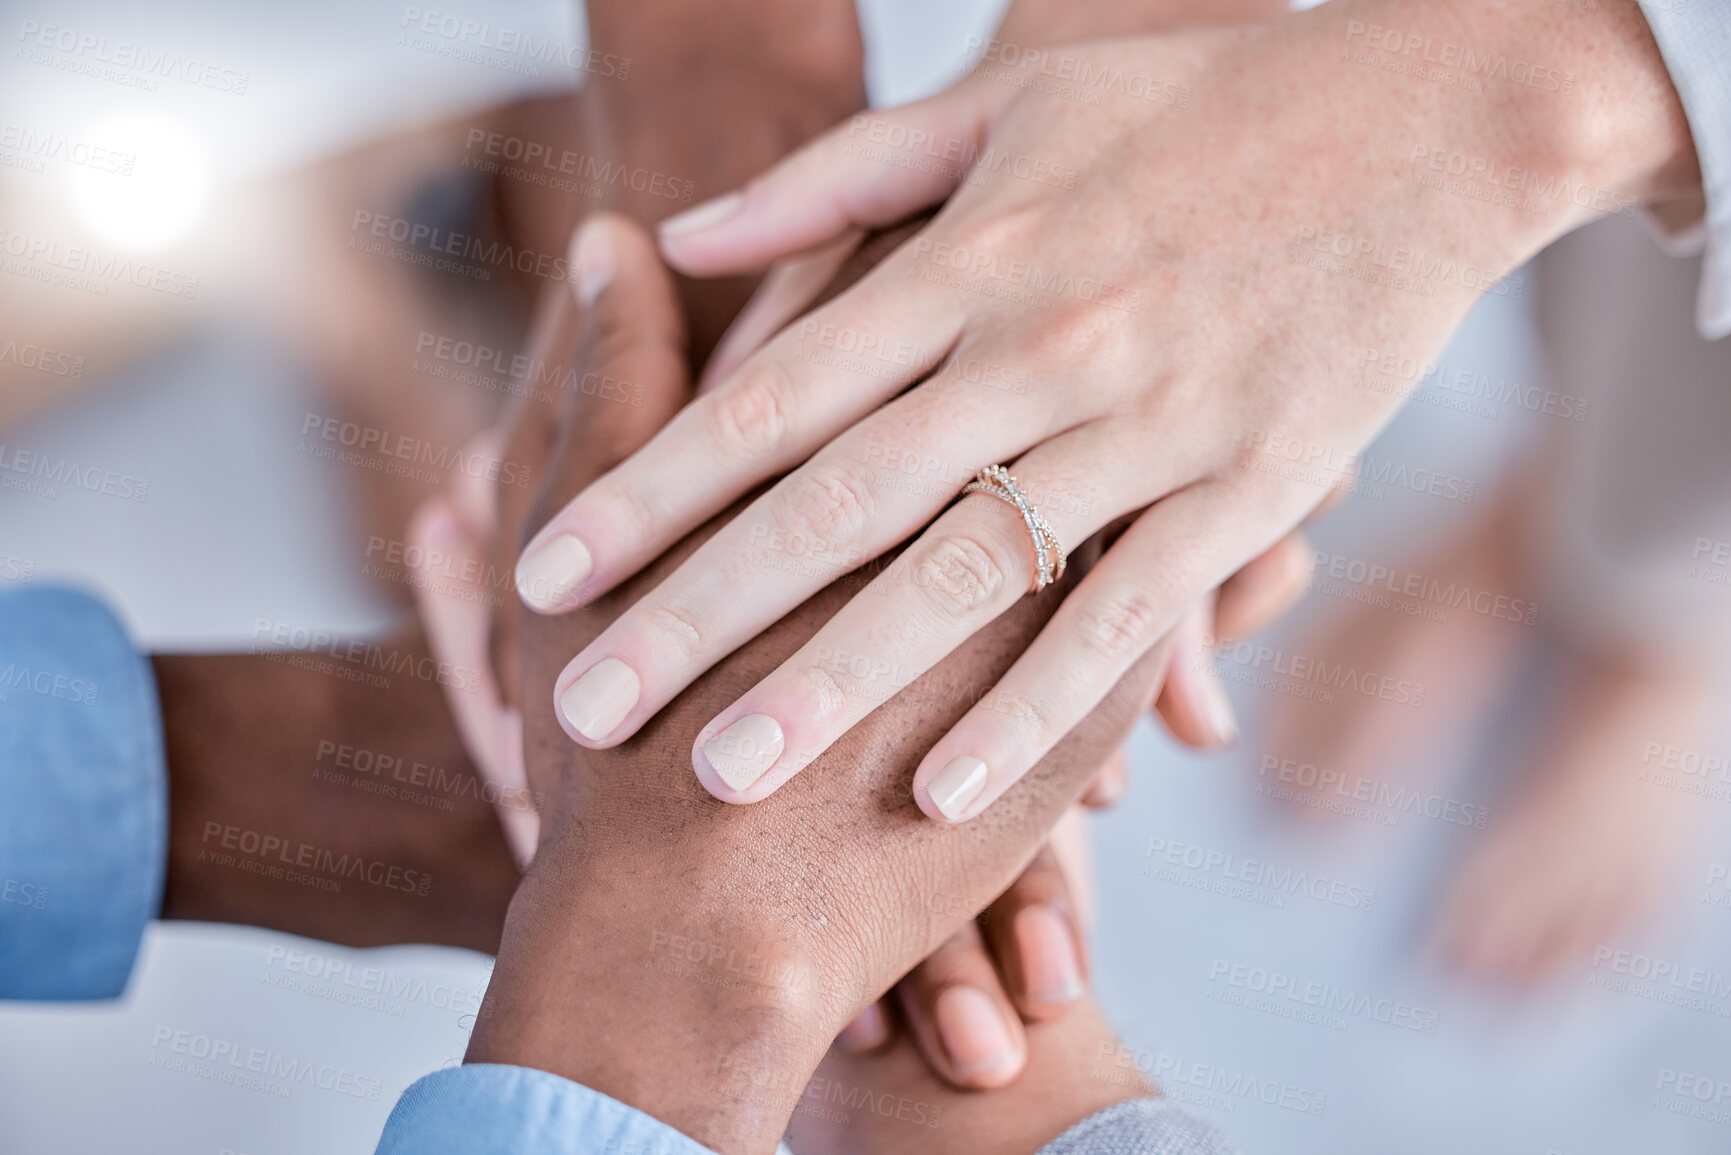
(1141,1127)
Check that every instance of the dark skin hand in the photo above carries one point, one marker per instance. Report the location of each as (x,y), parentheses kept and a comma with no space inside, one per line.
(246,735)
(712,93)
(695,959)
(684,100)
(747,1026)
(259,750)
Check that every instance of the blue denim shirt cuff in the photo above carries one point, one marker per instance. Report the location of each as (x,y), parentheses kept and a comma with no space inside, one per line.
(493,1109)
(83,798)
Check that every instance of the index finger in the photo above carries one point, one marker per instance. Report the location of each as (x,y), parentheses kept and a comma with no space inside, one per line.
(817,378)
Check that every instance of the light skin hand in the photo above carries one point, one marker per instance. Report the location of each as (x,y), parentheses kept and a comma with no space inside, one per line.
(1192,703)
(1218,264)
(695,959)
(793,283)
(1073,1065)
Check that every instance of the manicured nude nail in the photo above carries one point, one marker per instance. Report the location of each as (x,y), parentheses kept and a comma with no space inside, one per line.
(1216,708)
(548,575)
(703,216)
(594,260)
(973,1031)
(745,750)
(956,785)
(597,702)
(867,1032)
(1050,969)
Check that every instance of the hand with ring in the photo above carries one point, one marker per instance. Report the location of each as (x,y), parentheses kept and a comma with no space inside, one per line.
(1163,346)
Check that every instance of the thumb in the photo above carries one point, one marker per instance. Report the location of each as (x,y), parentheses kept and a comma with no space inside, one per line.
(631,373)
(873,171)
(628,379)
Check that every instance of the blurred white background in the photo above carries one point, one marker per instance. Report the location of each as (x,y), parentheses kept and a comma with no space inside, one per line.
(239,526)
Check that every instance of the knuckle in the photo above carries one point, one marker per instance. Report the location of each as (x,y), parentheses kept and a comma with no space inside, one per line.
(824,692)
(1118,627)
(1030,718)
(626,509)
(1010,231)
(828,502)
(1071,332)
(750,419)
(679,625)
(959,575)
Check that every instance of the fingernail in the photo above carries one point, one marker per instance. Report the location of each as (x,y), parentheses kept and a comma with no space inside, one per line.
(597,702)
(1216,708)
(594,260)
(549,574)
(973,1031)
(1050,968)
(956,785)
(742,752)
(867,1032)
(703,216)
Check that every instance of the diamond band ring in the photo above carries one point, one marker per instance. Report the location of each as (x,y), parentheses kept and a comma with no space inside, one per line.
(999,483)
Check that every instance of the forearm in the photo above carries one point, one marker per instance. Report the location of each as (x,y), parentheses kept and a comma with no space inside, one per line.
(712,93)
(306,802)
(674,41)
(661,1004)
(702,97)
(1055,21)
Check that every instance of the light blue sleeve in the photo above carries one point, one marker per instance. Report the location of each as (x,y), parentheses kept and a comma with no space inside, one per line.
(491,1109)
(486,1109)
(83,798)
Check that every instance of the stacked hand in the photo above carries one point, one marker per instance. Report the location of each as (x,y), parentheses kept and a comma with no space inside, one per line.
(630,331)
(1199,508)
(1132,341)
(1026,960)
(654,922)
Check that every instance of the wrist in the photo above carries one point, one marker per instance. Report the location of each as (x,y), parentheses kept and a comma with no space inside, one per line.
(1578,97)
(309,803)
(213,782)
(810,42)
(684,1014)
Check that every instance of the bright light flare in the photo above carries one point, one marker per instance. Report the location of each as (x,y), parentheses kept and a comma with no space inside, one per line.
(163,196)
